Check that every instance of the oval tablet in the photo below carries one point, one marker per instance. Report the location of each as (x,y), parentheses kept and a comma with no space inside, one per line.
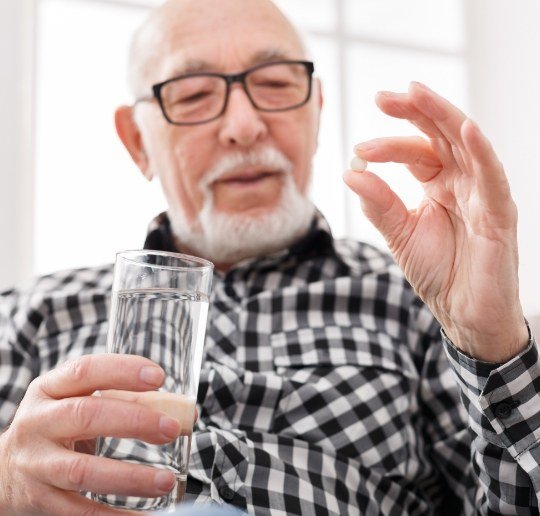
(358,164)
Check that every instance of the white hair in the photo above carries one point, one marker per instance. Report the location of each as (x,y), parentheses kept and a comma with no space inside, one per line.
(231,237)
(147,42)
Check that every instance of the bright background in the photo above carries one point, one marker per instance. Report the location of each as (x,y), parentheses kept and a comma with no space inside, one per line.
(70,196)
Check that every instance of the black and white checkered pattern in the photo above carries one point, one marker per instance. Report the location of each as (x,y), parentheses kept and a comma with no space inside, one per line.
(324,390)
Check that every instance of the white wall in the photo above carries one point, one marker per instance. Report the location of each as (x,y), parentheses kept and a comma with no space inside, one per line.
(504,71)
(16,190)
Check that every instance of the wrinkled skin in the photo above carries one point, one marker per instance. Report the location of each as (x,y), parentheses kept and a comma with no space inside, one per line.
(458,249)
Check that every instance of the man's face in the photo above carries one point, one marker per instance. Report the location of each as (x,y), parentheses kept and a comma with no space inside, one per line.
(227,36)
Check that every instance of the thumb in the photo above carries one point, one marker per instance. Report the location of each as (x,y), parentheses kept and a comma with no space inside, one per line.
(380,204)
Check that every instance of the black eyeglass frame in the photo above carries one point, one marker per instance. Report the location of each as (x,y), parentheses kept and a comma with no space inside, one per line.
(230,79)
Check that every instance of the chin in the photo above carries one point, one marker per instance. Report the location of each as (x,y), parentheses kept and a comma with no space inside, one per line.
(229,237)
(250,212)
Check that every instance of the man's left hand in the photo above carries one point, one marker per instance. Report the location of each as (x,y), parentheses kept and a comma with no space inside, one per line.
(458,249)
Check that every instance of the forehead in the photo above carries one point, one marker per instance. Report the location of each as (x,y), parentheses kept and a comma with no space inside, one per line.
(184,62)
(223,40)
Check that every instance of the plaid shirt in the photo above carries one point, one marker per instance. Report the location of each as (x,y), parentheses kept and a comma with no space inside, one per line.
(324,390)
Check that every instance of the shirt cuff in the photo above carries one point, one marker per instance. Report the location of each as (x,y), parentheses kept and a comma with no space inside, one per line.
(503,400)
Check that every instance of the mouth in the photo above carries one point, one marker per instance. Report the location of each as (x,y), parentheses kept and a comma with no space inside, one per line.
(248,178)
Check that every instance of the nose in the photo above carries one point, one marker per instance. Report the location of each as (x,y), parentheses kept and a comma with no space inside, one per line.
(242,124)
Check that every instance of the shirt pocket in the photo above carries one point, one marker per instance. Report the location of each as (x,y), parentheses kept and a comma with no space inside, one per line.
(350,390)
(332,346)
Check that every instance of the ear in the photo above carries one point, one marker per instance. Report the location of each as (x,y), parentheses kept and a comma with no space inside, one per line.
(319,93)
(128,131)
(317,107)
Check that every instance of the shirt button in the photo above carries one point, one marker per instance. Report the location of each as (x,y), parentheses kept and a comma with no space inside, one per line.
(226,493)
(505,408)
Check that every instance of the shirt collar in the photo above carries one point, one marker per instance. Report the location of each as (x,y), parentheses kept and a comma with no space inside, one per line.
(318,241)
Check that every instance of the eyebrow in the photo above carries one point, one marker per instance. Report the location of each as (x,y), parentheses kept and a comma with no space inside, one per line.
(199,65)
(268,55)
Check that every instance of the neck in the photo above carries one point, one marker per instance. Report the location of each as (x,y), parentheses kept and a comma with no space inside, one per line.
(218,267)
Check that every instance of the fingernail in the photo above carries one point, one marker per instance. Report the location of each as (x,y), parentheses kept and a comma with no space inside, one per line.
(152,375)
(169,427)
(363,147)
(385,93)
(420,85)
(164,481)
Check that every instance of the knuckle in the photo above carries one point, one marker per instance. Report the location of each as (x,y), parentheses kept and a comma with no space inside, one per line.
(55,468)
(22,431)
(34,501)
(84,411)
(35,385)
(72,372)
(79,368)
(140,419)
(14,449)
(42,386)
(138,478)
(77,472)
(35,506)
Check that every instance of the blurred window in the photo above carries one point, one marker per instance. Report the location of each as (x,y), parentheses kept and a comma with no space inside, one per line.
(91,201)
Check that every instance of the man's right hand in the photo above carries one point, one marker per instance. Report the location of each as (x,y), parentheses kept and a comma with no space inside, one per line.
(41,471)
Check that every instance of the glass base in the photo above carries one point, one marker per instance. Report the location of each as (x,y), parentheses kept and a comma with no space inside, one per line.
(164,504)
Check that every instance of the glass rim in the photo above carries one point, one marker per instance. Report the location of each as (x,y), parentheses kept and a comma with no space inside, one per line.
(202,264)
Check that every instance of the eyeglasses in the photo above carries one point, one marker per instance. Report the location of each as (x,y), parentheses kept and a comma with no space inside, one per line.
(196,98)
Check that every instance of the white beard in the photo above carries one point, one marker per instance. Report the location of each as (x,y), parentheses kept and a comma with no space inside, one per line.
(228,238)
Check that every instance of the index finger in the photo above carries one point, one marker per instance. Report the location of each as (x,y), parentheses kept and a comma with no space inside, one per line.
(434,116)
(399,105)
(444,115)
(89,373)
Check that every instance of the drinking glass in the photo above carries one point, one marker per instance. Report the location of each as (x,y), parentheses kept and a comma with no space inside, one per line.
(159,308)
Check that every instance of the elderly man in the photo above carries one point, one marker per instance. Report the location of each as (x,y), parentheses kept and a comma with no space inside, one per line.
(327,385)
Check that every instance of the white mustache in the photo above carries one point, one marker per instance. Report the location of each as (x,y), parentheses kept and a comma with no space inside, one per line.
(267,158)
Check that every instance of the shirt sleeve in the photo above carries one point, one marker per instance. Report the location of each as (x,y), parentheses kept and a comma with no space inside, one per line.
(447,438)
(16,363)
(503,408)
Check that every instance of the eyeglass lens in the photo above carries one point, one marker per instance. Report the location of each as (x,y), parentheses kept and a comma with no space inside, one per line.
(274,87)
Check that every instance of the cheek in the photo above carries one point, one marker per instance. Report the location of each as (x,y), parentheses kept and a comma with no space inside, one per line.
(186,182)
(179,164)
(297,140)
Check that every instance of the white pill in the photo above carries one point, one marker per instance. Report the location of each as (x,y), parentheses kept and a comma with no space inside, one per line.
(358,164)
